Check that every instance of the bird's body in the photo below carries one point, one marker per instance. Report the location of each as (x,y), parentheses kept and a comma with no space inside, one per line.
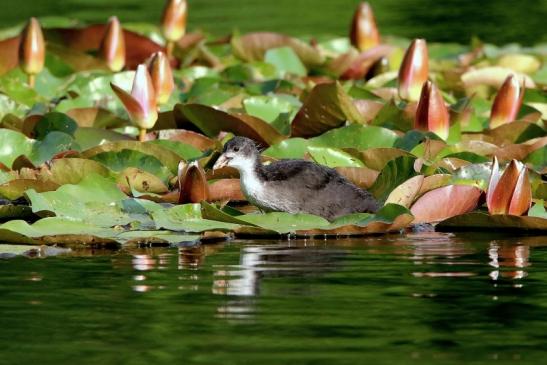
(294,186)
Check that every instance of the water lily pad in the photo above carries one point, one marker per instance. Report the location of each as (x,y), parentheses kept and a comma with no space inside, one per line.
(188,218)
(71,170)
(392,175)
(483,221)
(327,106)
(443,203)
(120,160)
(212,122)
(167,157)
(333,157)
(134,179)
(253,46)
(15,189)
(285,60)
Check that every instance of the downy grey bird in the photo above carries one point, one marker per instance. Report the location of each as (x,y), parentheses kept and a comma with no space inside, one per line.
(293,186)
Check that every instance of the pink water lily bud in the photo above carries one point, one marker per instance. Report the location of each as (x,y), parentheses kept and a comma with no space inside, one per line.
(173,21)
(112,48)
(432,114)
(510,193)
(414,70)
(507,102)
(162,77)
(364,32)
(141,103)
(32,48)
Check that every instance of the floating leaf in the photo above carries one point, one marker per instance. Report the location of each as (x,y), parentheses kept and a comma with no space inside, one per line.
(405,193)
(392,175)
(443,203)
(120,160)
(135,180)
(332,157)
(285,60)
(253,46)
(328,106)
(188,218)
(212,122)
(167,157)
(486,222)
(71,170)
(15,189)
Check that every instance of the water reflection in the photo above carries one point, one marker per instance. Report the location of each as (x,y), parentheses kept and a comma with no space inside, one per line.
(423,295)
(505,255)
(434,255)
(257,262)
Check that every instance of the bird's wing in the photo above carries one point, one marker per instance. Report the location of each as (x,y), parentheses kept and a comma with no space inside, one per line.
(307,173)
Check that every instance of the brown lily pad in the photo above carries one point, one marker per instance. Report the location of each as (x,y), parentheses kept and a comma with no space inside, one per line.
(212,121)
(253,46)
(327,106)
(483,221)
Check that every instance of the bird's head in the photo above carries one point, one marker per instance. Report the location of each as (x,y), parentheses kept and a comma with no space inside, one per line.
(240,153)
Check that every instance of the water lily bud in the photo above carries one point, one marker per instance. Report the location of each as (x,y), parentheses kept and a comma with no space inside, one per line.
(432,114)
(162,77)
(414,70)
(141,103)
(507,102)
(510,193)
(32,48)
(173,22)
(112,48)
(522,195)
(364,32)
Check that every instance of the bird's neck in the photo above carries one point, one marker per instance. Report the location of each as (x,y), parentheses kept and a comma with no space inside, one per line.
(250,170)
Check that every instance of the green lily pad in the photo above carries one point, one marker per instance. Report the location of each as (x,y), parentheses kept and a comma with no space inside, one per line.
(333,157)
(184,150)
(120,160)
(188,218)
(167,157)
(392,175)
(286,61)
(353,136)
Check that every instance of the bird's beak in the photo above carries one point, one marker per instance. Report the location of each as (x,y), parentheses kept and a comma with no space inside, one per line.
(222,161)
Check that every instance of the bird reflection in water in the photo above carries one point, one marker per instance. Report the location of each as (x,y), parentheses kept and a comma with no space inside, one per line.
(260,261)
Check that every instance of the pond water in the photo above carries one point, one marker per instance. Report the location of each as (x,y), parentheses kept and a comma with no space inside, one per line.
(426,298)
(495,21)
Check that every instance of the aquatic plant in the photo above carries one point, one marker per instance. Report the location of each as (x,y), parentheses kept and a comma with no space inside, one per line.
(82,156)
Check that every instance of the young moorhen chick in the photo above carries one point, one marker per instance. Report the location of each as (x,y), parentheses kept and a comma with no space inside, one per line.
(293,186)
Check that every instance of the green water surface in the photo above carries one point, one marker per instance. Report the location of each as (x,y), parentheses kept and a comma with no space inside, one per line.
(425,298)
(496,21)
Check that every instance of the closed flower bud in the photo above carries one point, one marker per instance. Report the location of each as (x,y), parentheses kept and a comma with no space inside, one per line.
(364,32)
(414,70)
(32,48)
(162,77)
(173,22)
(507,102)
(112,48)
(432,114)
(510,193)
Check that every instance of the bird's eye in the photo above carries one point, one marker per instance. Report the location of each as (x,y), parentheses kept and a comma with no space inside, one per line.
(236,149)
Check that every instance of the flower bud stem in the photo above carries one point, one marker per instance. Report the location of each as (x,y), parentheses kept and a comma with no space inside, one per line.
(142,134)
(31,80)
(169,49)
